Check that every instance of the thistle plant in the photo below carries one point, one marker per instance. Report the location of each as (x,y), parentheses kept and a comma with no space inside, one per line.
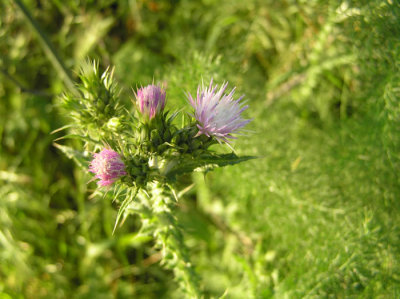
(139,152)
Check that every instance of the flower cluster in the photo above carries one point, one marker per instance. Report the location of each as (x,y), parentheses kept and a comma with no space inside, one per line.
(147,151)
(217,116)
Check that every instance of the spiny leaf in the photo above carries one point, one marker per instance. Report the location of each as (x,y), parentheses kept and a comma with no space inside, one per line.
(62,128)
(76,136)
(128,199)
(206,163)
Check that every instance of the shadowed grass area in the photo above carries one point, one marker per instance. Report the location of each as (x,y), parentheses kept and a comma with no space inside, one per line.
(315,216)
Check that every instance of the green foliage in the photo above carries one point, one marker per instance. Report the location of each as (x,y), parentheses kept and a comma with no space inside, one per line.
(316,216)
(203,163)
(97,104)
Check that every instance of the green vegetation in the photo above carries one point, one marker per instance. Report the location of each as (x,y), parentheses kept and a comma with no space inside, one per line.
(315,216)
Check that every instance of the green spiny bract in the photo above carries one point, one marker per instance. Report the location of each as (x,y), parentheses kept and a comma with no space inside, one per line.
(97,110)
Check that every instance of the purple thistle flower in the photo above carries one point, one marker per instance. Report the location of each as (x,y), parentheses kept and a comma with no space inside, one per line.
(151,100)
(108,167)
(218,114)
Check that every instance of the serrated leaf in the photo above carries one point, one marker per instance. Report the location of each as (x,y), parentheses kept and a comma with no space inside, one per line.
(205,163)
(128,199)
(79,137)
(225,159)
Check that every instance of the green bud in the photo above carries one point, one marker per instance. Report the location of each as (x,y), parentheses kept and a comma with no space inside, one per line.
(113,124)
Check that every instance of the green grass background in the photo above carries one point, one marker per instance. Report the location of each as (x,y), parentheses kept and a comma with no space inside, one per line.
(315,216)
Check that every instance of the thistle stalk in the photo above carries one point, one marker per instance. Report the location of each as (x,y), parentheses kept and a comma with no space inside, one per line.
(156,206)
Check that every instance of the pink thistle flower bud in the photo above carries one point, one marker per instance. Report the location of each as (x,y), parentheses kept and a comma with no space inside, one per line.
(218,114)
(151,100)
(108,167)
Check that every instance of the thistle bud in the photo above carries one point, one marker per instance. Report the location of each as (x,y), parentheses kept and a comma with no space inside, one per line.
(107,166)
(114,123)
(150,100)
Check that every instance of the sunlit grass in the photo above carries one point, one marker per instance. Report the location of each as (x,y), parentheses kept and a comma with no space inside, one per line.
(316,215)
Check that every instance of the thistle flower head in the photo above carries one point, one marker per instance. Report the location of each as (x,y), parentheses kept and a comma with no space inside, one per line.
(108,167)
(151,100)
(217,113)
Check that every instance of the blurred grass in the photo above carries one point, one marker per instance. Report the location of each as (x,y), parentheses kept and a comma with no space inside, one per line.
(316,216)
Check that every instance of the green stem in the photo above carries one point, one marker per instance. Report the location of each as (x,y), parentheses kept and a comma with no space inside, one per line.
(169,236)
(48,48)
(184,269)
